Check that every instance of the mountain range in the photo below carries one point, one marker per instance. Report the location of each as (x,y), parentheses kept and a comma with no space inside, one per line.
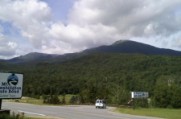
(122,46)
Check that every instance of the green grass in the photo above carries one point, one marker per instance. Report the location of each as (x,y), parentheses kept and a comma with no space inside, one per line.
(40,101)
(154,112)
(4,116)
(29,100)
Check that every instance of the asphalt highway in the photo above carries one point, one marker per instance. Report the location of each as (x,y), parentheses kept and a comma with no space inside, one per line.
(67,112)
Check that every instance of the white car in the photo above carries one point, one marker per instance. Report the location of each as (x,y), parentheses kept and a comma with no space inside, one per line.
(100,104)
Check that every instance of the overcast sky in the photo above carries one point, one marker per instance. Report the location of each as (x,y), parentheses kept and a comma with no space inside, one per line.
(64,26)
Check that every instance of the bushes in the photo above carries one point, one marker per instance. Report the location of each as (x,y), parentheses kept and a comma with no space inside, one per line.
(51,99)
(74,100)
(175,101)
(167,95)
(61,99)
(141,103)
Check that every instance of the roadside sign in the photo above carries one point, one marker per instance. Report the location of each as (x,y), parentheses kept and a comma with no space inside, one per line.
(11,85)
(139,95)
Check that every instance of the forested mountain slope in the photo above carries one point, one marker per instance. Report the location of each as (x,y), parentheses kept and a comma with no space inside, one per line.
(106,75)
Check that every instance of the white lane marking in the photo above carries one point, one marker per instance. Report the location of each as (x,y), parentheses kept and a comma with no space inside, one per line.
(31,113)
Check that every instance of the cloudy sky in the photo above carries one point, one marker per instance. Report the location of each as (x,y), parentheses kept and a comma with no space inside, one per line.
(64,26)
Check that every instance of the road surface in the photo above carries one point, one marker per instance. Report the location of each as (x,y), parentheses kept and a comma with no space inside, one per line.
(68,112)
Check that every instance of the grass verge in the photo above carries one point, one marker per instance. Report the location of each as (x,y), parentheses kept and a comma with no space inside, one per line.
(154,112)
(40,101)
(28,100)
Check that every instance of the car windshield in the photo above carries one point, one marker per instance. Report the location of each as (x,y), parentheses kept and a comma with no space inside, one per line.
(99,101)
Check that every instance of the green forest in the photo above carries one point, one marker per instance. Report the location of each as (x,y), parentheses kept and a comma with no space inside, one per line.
(109,76)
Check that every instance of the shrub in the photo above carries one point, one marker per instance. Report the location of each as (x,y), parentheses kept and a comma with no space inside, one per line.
(74,100)
(51,99)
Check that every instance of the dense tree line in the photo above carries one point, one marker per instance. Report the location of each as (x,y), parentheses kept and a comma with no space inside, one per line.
(108,76)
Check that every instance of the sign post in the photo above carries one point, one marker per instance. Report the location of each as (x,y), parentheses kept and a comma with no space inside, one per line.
(138,95)
(0,103)
(11,86)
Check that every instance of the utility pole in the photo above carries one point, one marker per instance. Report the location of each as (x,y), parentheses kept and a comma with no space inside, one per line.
(0,103)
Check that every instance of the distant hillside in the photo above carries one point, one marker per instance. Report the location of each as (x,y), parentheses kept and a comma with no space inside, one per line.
(122,46)
(131,47)
(32,57)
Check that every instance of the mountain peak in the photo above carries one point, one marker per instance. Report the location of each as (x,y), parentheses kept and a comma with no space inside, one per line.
(120,41)
(121,46)
(133,47)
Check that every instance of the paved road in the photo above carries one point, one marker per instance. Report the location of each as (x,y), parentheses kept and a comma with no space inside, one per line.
(68,112)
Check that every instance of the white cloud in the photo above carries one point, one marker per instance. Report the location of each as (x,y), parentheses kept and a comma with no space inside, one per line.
(88,35)
(7,48)
(30,17)
(12,45)
(90,23)
(146,19)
